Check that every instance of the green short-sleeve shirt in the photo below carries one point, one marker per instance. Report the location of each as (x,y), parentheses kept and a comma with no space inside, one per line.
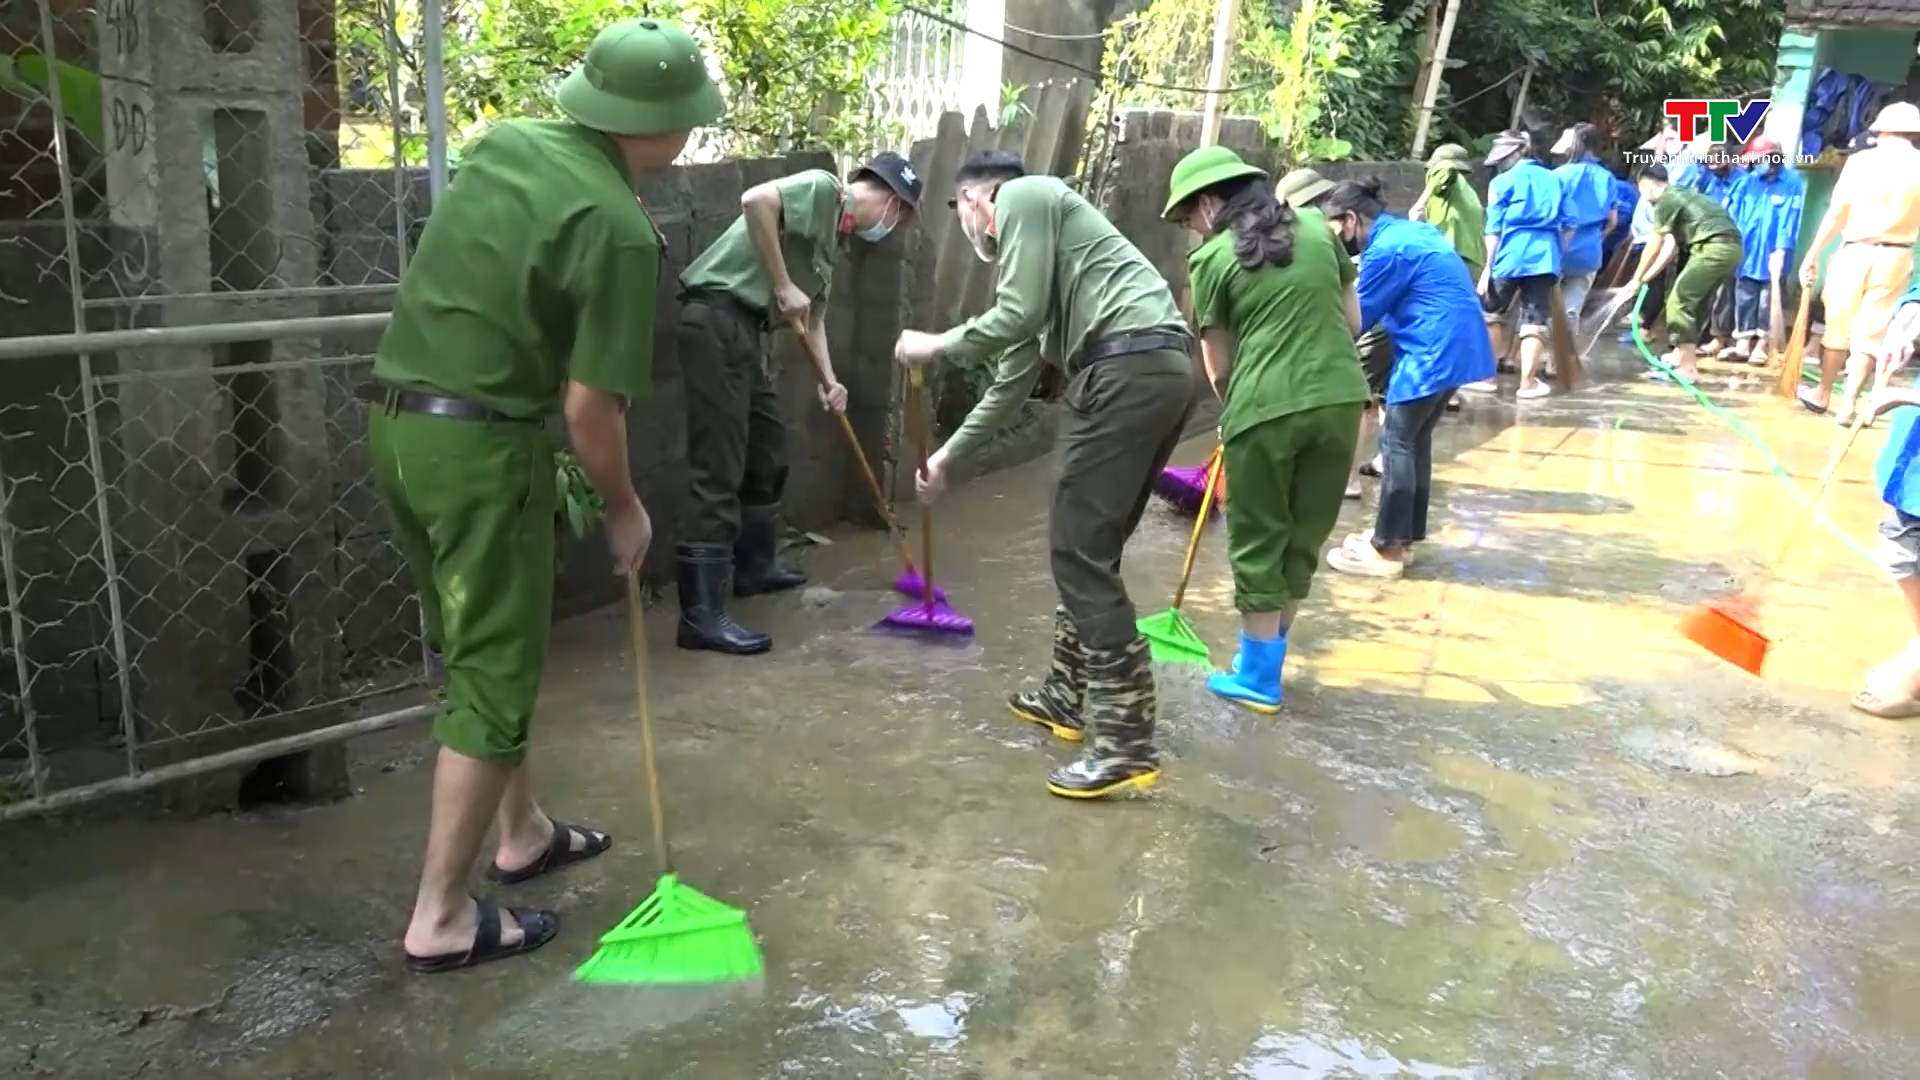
(1693,218)
(812,204)
(1293,347)
(538,266)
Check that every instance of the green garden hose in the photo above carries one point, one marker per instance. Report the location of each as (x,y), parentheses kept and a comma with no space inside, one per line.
(1740,428)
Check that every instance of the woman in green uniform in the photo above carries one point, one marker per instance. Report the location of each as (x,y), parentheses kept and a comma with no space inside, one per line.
(1450,204)
(1274,301)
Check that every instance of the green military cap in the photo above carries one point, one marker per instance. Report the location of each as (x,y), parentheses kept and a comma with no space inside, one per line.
(1202,169)
(1301,187)
(642,77)
(1449,152)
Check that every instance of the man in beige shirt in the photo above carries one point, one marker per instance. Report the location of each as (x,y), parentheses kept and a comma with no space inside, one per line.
(1875,211)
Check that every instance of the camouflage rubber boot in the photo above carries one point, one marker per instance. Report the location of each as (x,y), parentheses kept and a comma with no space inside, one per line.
(1056,705)
(1121,708)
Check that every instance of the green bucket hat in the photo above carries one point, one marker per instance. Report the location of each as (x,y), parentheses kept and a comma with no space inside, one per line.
(1301,187)
(642,77)
(1202,169)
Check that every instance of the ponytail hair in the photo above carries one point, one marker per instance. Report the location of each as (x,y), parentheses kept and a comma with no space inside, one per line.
(1363,198)
(1262,225)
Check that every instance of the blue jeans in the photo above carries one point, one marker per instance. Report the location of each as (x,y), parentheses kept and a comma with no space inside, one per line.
(1406,469)
(1751,310)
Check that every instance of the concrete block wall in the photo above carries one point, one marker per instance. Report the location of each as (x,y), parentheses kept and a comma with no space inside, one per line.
(692,206)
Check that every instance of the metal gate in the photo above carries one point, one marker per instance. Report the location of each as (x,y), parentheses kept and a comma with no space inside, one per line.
(204,209)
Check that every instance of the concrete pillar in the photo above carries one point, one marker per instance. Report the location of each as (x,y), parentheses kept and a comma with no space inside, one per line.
(227,580)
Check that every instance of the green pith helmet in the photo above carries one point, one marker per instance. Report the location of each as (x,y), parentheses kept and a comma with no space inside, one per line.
(1449,152)
(642,77)
(1202,169)
(1301,188)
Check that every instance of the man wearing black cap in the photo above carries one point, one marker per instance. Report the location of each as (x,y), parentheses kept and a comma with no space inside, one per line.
(771,269)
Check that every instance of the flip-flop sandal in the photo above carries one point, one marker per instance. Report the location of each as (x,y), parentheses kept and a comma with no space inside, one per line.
(1873,704)
(1349,561)
(560,853)
(537,927)
(1656,375)
(1809,405)
(1371,470)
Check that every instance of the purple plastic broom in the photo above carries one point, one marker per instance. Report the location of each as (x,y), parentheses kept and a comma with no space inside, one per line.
(931,614)
(909,583)
(1185,487)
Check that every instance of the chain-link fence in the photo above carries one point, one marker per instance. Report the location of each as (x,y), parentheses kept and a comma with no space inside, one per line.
(204,207)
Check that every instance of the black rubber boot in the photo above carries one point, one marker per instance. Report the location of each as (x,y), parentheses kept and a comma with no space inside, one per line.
(1121,707)
(1057,704)
(756,556)
(704,622)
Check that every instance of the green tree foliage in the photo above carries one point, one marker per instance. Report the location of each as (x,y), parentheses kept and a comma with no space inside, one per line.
(1614,62)
(794,70)
(1334,78)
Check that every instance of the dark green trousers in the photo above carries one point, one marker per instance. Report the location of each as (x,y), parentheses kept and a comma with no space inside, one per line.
(736,437)
(1289,482)
(1124,417)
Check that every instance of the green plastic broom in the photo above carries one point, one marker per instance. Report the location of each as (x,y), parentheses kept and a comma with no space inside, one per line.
(676,935)
(1170,635)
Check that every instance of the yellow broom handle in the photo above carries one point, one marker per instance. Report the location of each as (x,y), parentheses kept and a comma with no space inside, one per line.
(637,619)
(859,452)
(1193,542)
(1819,492)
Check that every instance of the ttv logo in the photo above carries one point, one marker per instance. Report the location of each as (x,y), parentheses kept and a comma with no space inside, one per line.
(1726,121)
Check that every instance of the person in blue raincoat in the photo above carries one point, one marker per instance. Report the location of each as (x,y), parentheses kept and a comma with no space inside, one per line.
(1892,690)
(1523,257)
(1766,203)
(1586,213)
(1626,201)
(1413,282)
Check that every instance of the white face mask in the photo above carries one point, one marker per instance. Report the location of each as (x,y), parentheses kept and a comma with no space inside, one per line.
(976,235)
(878,231)
(1209,212)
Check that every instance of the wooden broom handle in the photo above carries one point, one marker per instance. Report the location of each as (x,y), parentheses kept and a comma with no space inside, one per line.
(916,408)
(1193,542)
(636,617)
(859,452)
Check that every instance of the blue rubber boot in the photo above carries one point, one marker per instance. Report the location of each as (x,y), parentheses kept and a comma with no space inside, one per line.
(1255,681)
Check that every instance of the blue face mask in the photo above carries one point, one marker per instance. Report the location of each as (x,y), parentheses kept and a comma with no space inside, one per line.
(878,231)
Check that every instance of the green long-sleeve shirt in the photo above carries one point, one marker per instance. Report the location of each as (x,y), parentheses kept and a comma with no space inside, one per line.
(1452,206)
(1065,279)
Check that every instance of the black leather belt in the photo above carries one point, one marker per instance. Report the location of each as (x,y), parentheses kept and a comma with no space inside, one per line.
(726,301)
(1133,343)
(396,399)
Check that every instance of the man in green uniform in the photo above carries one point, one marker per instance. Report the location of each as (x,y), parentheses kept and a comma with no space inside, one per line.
(1690,223)
(1071,289)
(532,293)
(773,268)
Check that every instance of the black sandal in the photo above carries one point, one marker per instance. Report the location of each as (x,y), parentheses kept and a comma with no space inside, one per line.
(560,853)
(536,929)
